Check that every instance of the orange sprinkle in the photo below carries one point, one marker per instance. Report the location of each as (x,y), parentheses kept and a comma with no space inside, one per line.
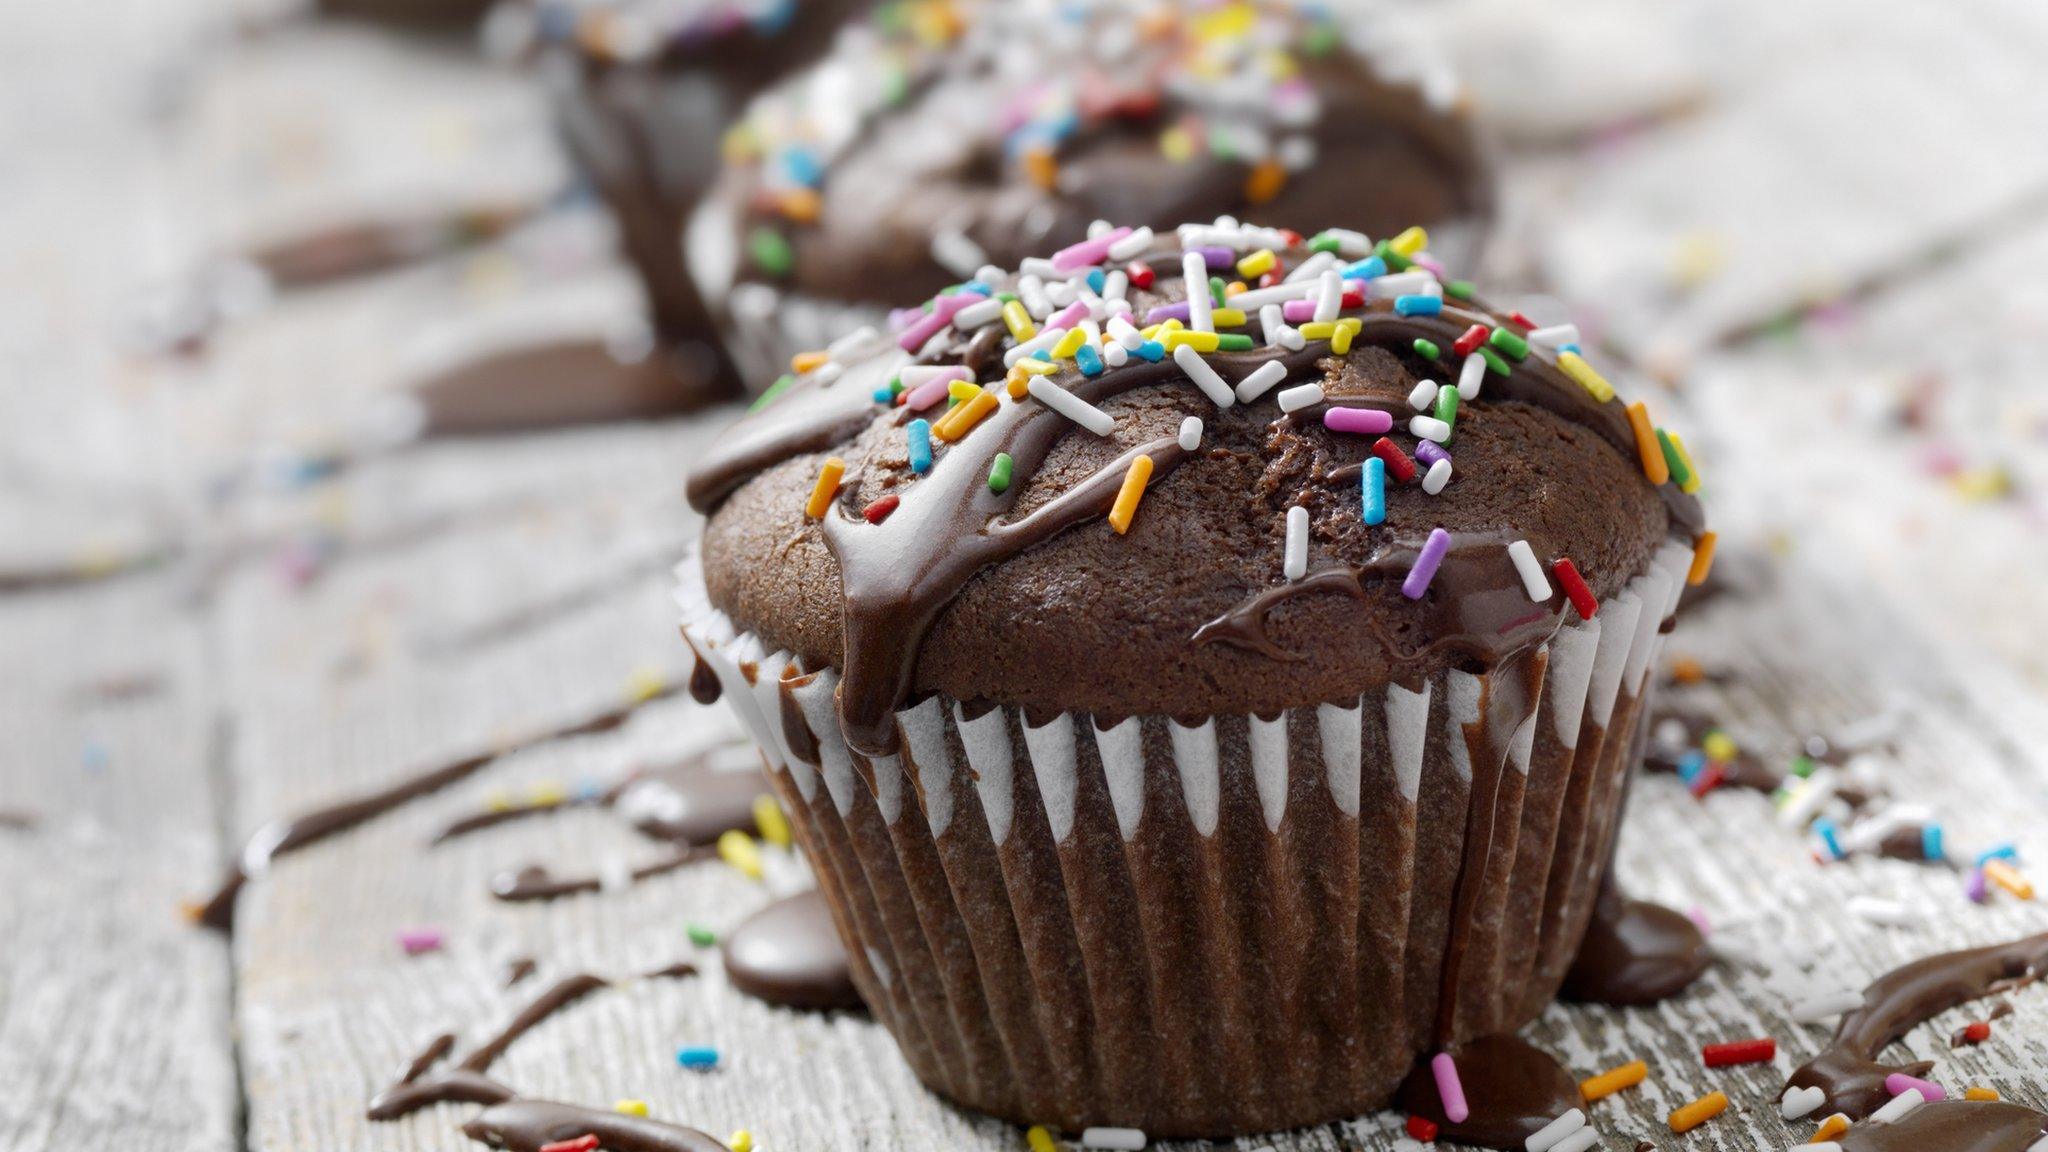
(1265,182)
(1702,558)
(961,420)
(2007,877)
(1687,670)
(1651,452)
(825,489)
(1043,168)
(1127,497)
(802,205)
(1986,1094)
(1830,1128)
(804,362)
(1699,1112)
(1017,383)
(1612,1081)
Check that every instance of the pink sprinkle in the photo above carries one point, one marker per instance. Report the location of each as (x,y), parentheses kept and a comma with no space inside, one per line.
(928,326)
(933,390)
(1417,583)
(1364,421)
(1698,916)
(1447,1084)
(1298,311)
(1087,252)
(1070,317)
(418,940)
(1898,1082)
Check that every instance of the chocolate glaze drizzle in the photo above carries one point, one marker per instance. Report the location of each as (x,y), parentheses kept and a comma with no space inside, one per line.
(1952,1126)
(1848,1070)
(535,882)
(290,834)
(790,954)
(1512,1087)
(1634,952)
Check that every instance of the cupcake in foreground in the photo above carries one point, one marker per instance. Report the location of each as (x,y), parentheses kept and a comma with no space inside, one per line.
(937,138)
(1201,701)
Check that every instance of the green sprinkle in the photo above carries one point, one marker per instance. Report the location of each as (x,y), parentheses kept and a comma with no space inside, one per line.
(999,473)
(1461,289)
(774,390)
(771,250)
(1447,407)
(1394,260)
(1320,40)
(895,385)
(1509,342)
(1324,242)
(1427,349)
(1680,474)
(1216,291)
(1234,342)
(1006,297)
(1802,767)
(701,936)
(1494,362)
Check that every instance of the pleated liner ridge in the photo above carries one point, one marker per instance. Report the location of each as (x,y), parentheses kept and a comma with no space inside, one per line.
(1254,924)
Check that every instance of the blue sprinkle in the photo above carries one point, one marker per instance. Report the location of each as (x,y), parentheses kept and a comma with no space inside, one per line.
(1152,350)
(1096,280)
(1373,479)
(697,1057)
(802,167)
(1366,269)
(1825,829)
(1691,765)
(920,446)
(1044,354)
(1089,359)
(1930,841)
(974,286)
(1574,349)
(883,395)
(2003,852)
(1418,305)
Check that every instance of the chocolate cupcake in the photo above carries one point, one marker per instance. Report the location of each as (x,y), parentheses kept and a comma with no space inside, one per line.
(422,14)
(943,138)
(643,89)
(1225,701)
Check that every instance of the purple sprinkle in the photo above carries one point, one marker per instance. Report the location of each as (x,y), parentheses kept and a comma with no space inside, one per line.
(1974,887)
(1426,564)
(1429,452)
(1165,312)
(1218,258)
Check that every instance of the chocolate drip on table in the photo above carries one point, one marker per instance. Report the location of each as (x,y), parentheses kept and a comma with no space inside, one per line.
(1952,1126)
(510,1121)
(561,385)
(899,575)
(535,882)
(1634,952)
(789,954)
(280,837)
(17,822)
(1512,1088)
(1848,1071)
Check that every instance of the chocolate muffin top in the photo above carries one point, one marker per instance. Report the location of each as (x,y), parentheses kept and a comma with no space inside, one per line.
(1141,505)
(944,136)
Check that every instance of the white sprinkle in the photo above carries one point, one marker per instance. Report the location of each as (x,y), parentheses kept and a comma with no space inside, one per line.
(957,254)
(979,315)
(1311,269)
(1205,377)
(1277,294)
(1827,1007)
(857,338)
(1133,246)
(1417,283)
(1831,1146)
(1471,377)
(1329,296)
(1296,565)
(1805,803)
(1099,228)
(1262,378)
(1195,277)
(1422,397)
(990,274)
(1071,406)
(1898,1106)
(1031,292)
(1798,1102)
(1429,428)
(1115,355)
(1191,433)
(1300,396)
(1117,1139)
(1060,293)
(1044,339)
(1126,333)
(1353,245)
(1578,1141)
(1116,285)
(1093,332)
(614,874)
(1534,580)
(1555,336)
(1292,339)
(827,372)
(1297,153)
(1439,474)
(1880,911)
(1547,1137)
(1041,268)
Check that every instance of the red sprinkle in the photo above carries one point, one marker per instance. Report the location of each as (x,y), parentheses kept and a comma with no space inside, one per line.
(1710,778)
(1421,1128)
(1976,1032)
(879,511)
(1398,463)
(1141,274)
(583,1143)
(1354,298)
(1272,279)
(1739,1052)
(1292,237)
(1522,322)
(1567,574)
(1472,339)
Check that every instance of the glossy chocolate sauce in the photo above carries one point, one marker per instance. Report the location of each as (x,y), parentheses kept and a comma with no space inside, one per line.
(1634,952)
(1952,1126)
(1512,1088)
(789,954)
(536,882)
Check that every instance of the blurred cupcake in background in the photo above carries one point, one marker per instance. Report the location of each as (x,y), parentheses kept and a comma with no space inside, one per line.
(425,15)
(939,138)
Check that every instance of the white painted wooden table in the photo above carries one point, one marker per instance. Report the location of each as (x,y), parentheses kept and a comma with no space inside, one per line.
(193,640)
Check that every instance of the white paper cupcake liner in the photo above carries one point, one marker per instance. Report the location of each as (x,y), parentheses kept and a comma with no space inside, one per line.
(1209,930)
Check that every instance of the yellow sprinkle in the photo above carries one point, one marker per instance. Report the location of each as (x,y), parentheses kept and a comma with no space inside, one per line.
(1043,168)
(1692,482)
(1410,242)
(1340,340)
(645,684)
(739,850)
(769,819)
(631,1107)
(1265,182)
(1177,144)
(1200,341)
(1984,1094)
(825,489)
(1614,1080)
(739,145)
(1351,324)
(801,205)
(961,420)
(1318,330)
(1699,1112)
(804,362)
(2007,877)
(1257,264)
(1575,366)
(1040,1140)
(1017,383)
(962,390)
(1702,558)
(1978,485)
(546,795)
(1227,317)
(742,1141)
(1069,344)
(1127,497)
(1831,1127)
(1032,365)
(1719,746)
(1019,320)
(497,801)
